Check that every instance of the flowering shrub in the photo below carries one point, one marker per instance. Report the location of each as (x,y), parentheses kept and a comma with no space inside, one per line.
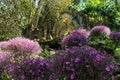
(21,47)
(76,63)
(115,36)
(4,60)
(4,45)
(99,38)
(4,56)
(76,38)
(36,69)
(82,31)
(82,63)
(100,29)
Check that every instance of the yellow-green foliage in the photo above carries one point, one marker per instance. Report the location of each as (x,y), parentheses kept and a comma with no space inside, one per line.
(58,6)
(14,16)
(117,54)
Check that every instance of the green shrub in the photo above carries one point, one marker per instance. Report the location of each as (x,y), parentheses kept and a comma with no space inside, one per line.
(102,13)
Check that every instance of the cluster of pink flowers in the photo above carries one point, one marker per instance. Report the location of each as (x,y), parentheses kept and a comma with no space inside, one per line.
(23,45)
(4,56)
(21,48)
(99,29)
(20,45)
(4,60)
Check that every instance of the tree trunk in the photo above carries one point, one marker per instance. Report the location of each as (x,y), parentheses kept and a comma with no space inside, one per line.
(34,22)
(35,19)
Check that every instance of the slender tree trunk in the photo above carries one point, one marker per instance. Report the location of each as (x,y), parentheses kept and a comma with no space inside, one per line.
(35,19)
(33,24)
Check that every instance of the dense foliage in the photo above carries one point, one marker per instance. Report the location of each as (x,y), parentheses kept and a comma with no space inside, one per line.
(92,13)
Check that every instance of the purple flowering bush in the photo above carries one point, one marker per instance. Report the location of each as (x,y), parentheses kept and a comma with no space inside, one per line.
(82,63)
(82,31)
(75,38)
(35,69)
(115,36)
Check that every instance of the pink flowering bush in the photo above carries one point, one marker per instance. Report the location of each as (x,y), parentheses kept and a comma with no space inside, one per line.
(99,38)
(100,29)
(99,33)
(21,47)
(4,60)
(4,56)
(4,45)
